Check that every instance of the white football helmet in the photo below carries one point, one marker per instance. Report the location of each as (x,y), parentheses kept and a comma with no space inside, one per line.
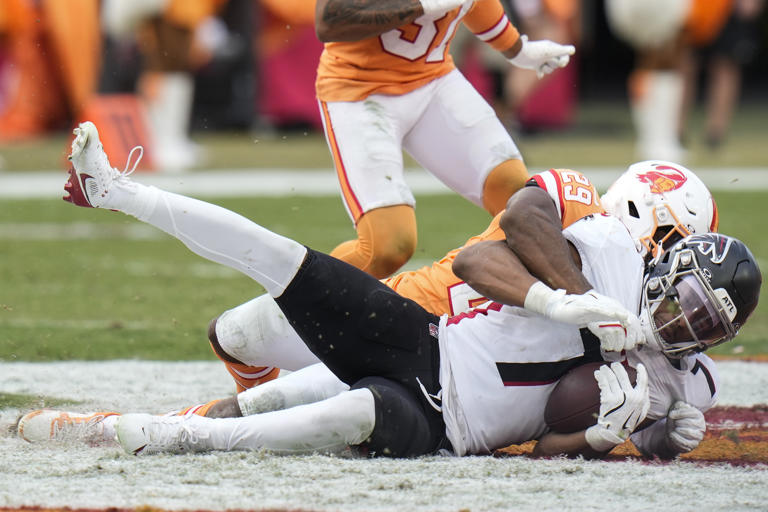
(660,203)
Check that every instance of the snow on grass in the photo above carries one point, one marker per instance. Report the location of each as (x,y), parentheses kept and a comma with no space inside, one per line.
(76,476)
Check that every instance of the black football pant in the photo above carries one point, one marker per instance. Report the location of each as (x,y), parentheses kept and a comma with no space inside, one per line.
(372,337)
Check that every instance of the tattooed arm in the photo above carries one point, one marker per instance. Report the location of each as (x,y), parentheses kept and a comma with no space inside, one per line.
(352,20)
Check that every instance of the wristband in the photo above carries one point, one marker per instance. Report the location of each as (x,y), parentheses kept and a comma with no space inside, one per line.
(538,297)
(439,6)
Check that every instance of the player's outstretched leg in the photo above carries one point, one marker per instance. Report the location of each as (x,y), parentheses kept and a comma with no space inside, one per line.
(96,428)
(327,426)
(208,230)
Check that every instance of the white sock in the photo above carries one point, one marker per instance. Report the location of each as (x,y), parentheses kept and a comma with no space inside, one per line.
(656,115)
(326,426)
(214,233)
(169,114)
(308,385)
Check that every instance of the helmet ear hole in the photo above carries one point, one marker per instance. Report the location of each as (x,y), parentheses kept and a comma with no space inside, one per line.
(633,209)
(661,233)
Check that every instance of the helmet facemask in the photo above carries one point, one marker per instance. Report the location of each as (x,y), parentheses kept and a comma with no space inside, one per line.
(667,229)
(685,314)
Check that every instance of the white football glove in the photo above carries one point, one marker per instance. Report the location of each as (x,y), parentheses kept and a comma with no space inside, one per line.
(542,56)
(616,328)
(685,427)
(622,407)
(439,6)
(619,335)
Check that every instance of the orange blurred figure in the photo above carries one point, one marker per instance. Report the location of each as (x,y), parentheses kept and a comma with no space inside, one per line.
(54,49)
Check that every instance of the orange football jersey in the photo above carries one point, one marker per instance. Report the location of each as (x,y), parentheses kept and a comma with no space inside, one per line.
(436,287)
(408,57)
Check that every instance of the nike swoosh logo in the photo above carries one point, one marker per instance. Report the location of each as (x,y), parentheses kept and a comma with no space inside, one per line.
(140,448)
(83,178)
(624,426)
(623,401)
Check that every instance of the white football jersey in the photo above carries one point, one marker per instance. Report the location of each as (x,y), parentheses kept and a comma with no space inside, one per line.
(499,363)
(696,382)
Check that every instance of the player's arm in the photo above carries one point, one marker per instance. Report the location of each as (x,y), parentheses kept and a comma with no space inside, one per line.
(575,444)
(533,231)
(494,271)
(572,445)
(488,22)
(353,20)
(535,249)
(679,432)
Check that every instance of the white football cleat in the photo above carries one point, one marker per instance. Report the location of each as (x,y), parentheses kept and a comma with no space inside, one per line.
(145,434)
(92,176)
(50,425)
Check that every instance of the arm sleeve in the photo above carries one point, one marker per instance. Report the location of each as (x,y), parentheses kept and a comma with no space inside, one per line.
(488,21)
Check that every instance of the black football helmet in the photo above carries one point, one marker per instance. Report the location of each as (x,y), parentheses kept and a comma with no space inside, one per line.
(699,293)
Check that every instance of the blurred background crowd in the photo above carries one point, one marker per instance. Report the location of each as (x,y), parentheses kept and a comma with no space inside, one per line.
(156,71)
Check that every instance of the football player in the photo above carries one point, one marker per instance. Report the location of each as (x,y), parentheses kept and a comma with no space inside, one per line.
(445,381)
(386,82)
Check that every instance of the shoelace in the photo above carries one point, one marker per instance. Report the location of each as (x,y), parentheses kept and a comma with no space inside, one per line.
(125,173)
(164,434)
(73,429)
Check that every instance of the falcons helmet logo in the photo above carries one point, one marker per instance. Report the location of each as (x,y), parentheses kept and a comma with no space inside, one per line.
(711,245)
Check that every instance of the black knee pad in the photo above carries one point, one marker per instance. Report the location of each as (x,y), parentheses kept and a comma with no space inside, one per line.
(404,426)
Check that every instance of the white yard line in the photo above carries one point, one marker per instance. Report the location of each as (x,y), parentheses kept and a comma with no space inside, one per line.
(74,476)
(318,182)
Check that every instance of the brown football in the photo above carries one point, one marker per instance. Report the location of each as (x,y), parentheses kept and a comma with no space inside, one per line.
(574,403)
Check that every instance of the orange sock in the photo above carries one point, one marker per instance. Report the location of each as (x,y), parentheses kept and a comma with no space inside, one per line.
(386,240)
(199,410)
(504,180)
(247,377)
